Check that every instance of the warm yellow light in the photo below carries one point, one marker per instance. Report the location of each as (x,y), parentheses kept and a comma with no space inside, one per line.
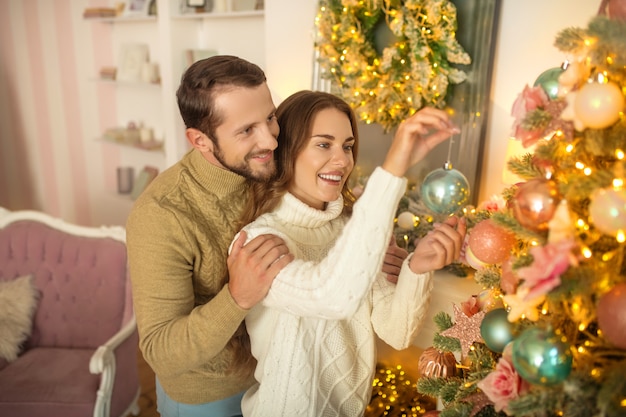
(620,236)
(580,165)
(587,171)
(581,327)
(618,183)
(619,153)
(586,252)
(569,148)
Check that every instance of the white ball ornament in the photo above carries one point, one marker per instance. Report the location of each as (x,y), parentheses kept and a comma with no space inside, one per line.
(406,220)
(607,210)
(598,105)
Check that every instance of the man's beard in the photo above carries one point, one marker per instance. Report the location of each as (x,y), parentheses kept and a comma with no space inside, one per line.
(244,169)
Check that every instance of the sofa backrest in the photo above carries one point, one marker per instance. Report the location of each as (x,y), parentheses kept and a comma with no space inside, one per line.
(85,291)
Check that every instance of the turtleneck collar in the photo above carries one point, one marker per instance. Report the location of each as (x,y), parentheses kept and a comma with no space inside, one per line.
(292,210)
(219,180)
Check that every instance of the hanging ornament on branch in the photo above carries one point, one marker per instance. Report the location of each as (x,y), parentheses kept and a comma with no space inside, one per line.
(535,203)
(596,105)
(549,81)
(445,190)
(541,358)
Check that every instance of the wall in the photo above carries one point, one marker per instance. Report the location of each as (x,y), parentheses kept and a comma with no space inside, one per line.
(50,161)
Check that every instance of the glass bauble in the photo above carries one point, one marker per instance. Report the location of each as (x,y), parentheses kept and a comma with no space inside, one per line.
(445,190)
(607,210)
(535,203)
(490,243)
(598,105)
(611,313)
(549,81)
(489,299)
(540,357)
(496,330)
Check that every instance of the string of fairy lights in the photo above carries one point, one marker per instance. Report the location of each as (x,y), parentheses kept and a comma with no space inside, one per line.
(414,67)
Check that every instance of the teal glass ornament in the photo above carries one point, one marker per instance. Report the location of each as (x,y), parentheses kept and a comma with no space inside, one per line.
(496,330)
(445,190)
(549,81)
(541,358)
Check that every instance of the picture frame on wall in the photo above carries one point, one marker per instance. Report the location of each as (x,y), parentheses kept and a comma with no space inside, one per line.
(136,8)
(133,57)
(196,3)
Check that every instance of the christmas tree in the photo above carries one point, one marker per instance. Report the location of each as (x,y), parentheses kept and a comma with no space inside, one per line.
(547,336)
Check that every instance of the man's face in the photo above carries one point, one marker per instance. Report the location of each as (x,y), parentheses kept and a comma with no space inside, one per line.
(246,139)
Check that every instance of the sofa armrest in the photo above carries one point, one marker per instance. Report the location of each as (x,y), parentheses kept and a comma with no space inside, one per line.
(103,362)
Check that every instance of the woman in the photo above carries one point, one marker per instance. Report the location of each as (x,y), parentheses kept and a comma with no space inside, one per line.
(313,335)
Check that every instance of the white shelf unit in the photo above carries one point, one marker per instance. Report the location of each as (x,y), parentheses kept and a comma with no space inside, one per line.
(168,35)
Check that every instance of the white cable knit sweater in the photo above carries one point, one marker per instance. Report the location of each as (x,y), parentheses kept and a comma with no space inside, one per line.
(313,335)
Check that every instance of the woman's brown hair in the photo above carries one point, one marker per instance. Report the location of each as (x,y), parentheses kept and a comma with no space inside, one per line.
(295,117)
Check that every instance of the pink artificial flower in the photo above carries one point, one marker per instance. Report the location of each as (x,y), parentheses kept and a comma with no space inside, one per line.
(508,278)
(528,100)
(550,261)
(470,307)
(503,384)
(357,190)
(495,203)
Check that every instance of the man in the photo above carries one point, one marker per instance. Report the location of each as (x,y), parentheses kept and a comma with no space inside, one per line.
(190,299)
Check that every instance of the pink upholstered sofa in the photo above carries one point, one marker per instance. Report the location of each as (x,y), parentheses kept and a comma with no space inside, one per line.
(68,287)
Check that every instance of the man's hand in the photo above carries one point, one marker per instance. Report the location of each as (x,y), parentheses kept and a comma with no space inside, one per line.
(440,247)
(393,260)
(253,266)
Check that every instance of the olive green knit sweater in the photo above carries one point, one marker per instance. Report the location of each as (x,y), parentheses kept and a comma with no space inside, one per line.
(178,234)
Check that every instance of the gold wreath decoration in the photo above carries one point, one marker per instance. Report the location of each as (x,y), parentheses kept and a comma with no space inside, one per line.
(385,85)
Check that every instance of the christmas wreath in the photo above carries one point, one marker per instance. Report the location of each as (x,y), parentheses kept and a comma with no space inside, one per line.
(389,58)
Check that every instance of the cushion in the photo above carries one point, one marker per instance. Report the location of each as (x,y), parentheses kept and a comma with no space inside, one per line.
(18,302)
(49,382)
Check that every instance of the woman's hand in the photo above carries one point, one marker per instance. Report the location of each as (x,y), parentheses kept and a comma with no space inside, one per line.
(440,247)
(416,137)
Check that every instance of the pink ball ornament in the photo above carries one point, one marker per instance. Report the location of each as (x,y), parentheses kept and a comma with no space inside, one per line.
(535,203)
(608,210)
(473,261)
(611,313)
(598,105)
(491,243)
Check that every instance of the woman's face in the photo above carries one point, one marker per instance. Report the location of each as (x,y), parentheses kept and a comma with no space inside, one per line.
(323,166)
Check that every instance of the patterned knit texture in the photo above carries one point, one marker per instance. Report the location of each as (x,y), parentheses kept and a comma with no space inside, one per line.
(313,335)
(178,234)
